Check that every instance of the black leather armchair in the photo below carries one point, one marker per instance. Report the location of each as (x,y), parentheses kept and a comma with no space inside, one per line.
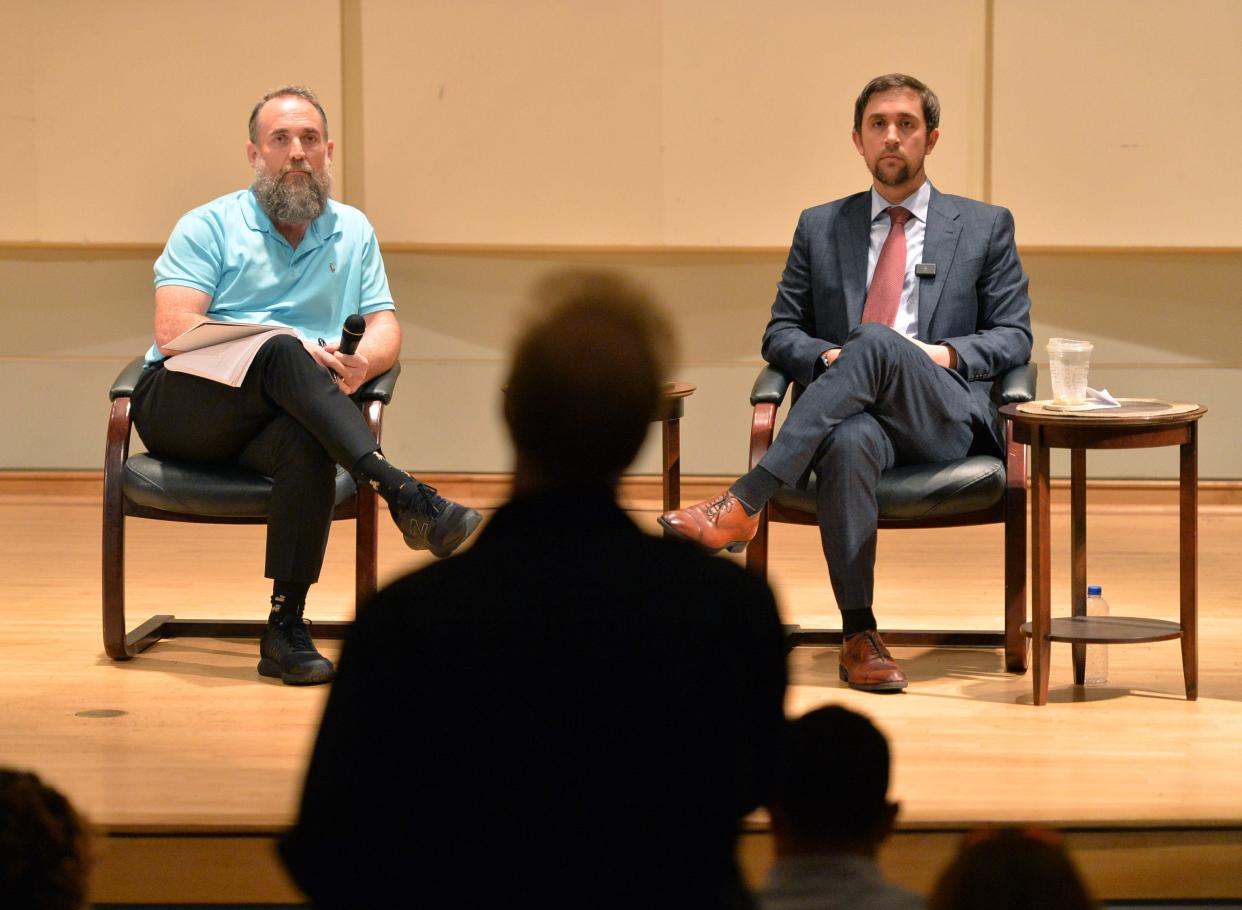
(980,489)
(144,486)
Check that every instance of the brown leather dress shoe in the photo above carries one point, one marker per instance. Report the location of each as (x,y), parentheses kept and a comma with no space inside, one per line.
(867,665)
(717,523)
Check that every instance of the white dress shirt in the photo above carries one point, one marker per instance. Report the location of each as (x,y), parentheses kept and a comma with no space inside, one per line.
(907,319)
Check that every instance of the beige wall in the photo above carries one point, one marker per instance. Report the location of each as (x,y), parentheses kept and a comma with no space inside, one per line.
(558,121)
(1111,117)
(638,126)
(121,115)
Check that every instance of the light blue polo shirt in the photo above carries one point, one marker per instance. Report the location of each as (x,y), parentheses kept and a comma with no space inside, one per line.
(230,249)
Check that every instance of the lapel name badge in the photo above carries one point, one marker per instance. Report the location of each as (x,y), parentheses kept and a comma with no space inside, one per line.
(925,270)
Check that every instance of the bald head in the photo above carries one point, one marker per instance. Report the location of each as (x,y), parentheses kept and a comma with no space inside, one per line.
(586,379)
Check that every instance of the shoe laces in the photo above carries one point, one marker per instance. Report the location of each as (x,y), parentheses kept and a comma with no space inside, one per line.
(714,508)
(873,639)
(297,631)
(427,500)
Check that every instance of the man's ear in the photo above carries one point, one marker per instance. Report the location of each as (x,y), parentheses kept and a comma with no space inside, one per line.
(932,137)
(252,153)
(330,145)
(857,141)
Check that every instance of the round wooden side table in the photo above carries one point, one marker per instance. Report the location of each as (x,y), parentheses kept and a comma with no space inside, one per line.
(1137,424)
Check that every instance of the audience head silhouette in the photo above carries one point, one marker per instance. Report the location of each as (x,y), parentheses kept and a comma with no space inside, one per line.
(44,856)
(1011,869)
(831,794)
(586,380)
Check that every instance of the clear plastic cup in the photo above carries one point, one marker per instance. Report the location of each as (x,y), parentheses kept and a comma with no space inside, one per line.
(1068,361)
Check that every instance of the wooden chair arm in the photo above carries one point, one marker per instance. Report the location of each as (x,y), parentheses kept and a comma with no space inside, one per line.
(767,394)
(762,429)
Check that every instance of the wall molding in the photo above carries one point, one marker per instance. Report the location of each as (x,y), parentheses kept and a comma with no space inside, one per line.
(643,491)
(617,249)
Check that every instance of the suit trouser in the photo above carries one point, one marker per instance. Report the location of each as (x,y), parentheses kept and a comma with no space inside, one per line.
(882,403)
(287,420)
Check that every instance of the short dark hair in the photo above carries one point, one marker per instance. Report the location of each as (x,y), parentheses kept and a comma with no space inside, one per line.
(890,82)
(833,780)
(586,377)
(44,846)
(297,90)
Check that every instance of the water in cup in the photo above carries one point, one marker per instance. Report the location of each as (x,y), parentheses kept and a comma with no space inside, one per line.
(1068,361)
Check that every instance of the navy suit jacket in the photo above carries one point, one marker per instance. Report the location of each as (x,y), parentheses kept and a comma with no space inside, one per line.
(977,301)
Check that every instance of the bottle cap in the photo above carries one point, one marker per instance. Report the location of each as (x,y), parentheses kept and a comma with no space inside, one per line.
(1093,590)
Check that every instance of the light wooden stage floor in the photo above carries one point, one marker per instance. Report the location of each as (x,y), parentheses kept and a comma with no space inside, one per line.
(199,769)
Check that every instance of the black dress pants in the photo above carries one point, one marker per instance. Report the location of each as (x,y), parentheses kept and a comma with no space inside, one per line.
(882,403)
(287,420)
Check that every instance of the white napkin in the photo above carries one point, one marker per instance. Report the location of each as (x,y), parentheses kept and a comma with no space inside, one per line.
(1101,399)
(1096,401)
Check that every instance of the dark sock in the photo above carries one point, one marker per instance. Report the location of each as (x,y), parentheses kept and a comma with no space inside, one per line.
(384,477)
(288,598)
(755,488)
(855,621)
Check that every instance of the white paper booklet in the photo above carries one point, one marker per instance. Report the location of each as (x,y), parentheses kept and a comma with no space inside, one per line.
(220,351)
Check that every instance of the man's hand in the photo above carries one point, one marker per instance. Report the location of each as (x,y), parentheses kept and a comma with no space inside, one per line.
(350,370)
(941,354)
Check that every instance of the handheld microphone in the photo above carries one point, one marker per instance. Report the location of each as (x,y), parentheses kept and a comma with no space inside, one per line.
(351,334)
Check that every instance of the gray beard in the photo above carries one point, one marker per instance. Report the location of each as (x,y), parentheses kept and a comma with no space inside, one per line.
(292,202)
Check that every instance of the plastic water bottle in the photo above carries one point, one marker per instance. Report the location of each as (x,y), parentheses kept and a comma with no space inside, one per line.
(1096,670)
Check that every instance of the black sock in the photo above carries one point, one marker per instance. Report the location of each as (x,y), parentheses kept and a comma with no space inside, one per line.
(755,488)
(855,621)
(384,477)
(288,598)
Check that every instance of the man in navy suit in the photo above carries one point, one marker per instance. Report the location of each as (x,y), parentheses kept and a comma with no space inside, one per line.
(897,308)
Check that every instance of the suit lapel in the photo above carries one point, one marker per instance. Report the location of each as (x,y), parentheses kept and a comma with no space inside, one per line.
(853,243)
(939,245)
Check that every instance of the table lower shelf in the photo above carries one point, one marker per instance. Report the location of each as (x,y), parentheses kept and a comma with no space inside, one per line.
(1109,630)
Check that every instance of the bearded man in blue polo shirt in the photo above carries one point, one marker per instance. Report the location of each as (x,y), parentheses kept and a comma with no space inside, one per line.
(283,252)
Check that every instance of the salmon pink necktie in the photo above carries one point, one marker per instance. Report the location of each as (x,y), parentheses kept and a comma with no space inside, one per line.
(884,296)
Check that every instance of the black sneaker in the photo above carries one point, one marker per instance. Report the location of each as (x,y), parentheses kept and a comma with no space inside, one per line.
(286,651)
(428,521)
